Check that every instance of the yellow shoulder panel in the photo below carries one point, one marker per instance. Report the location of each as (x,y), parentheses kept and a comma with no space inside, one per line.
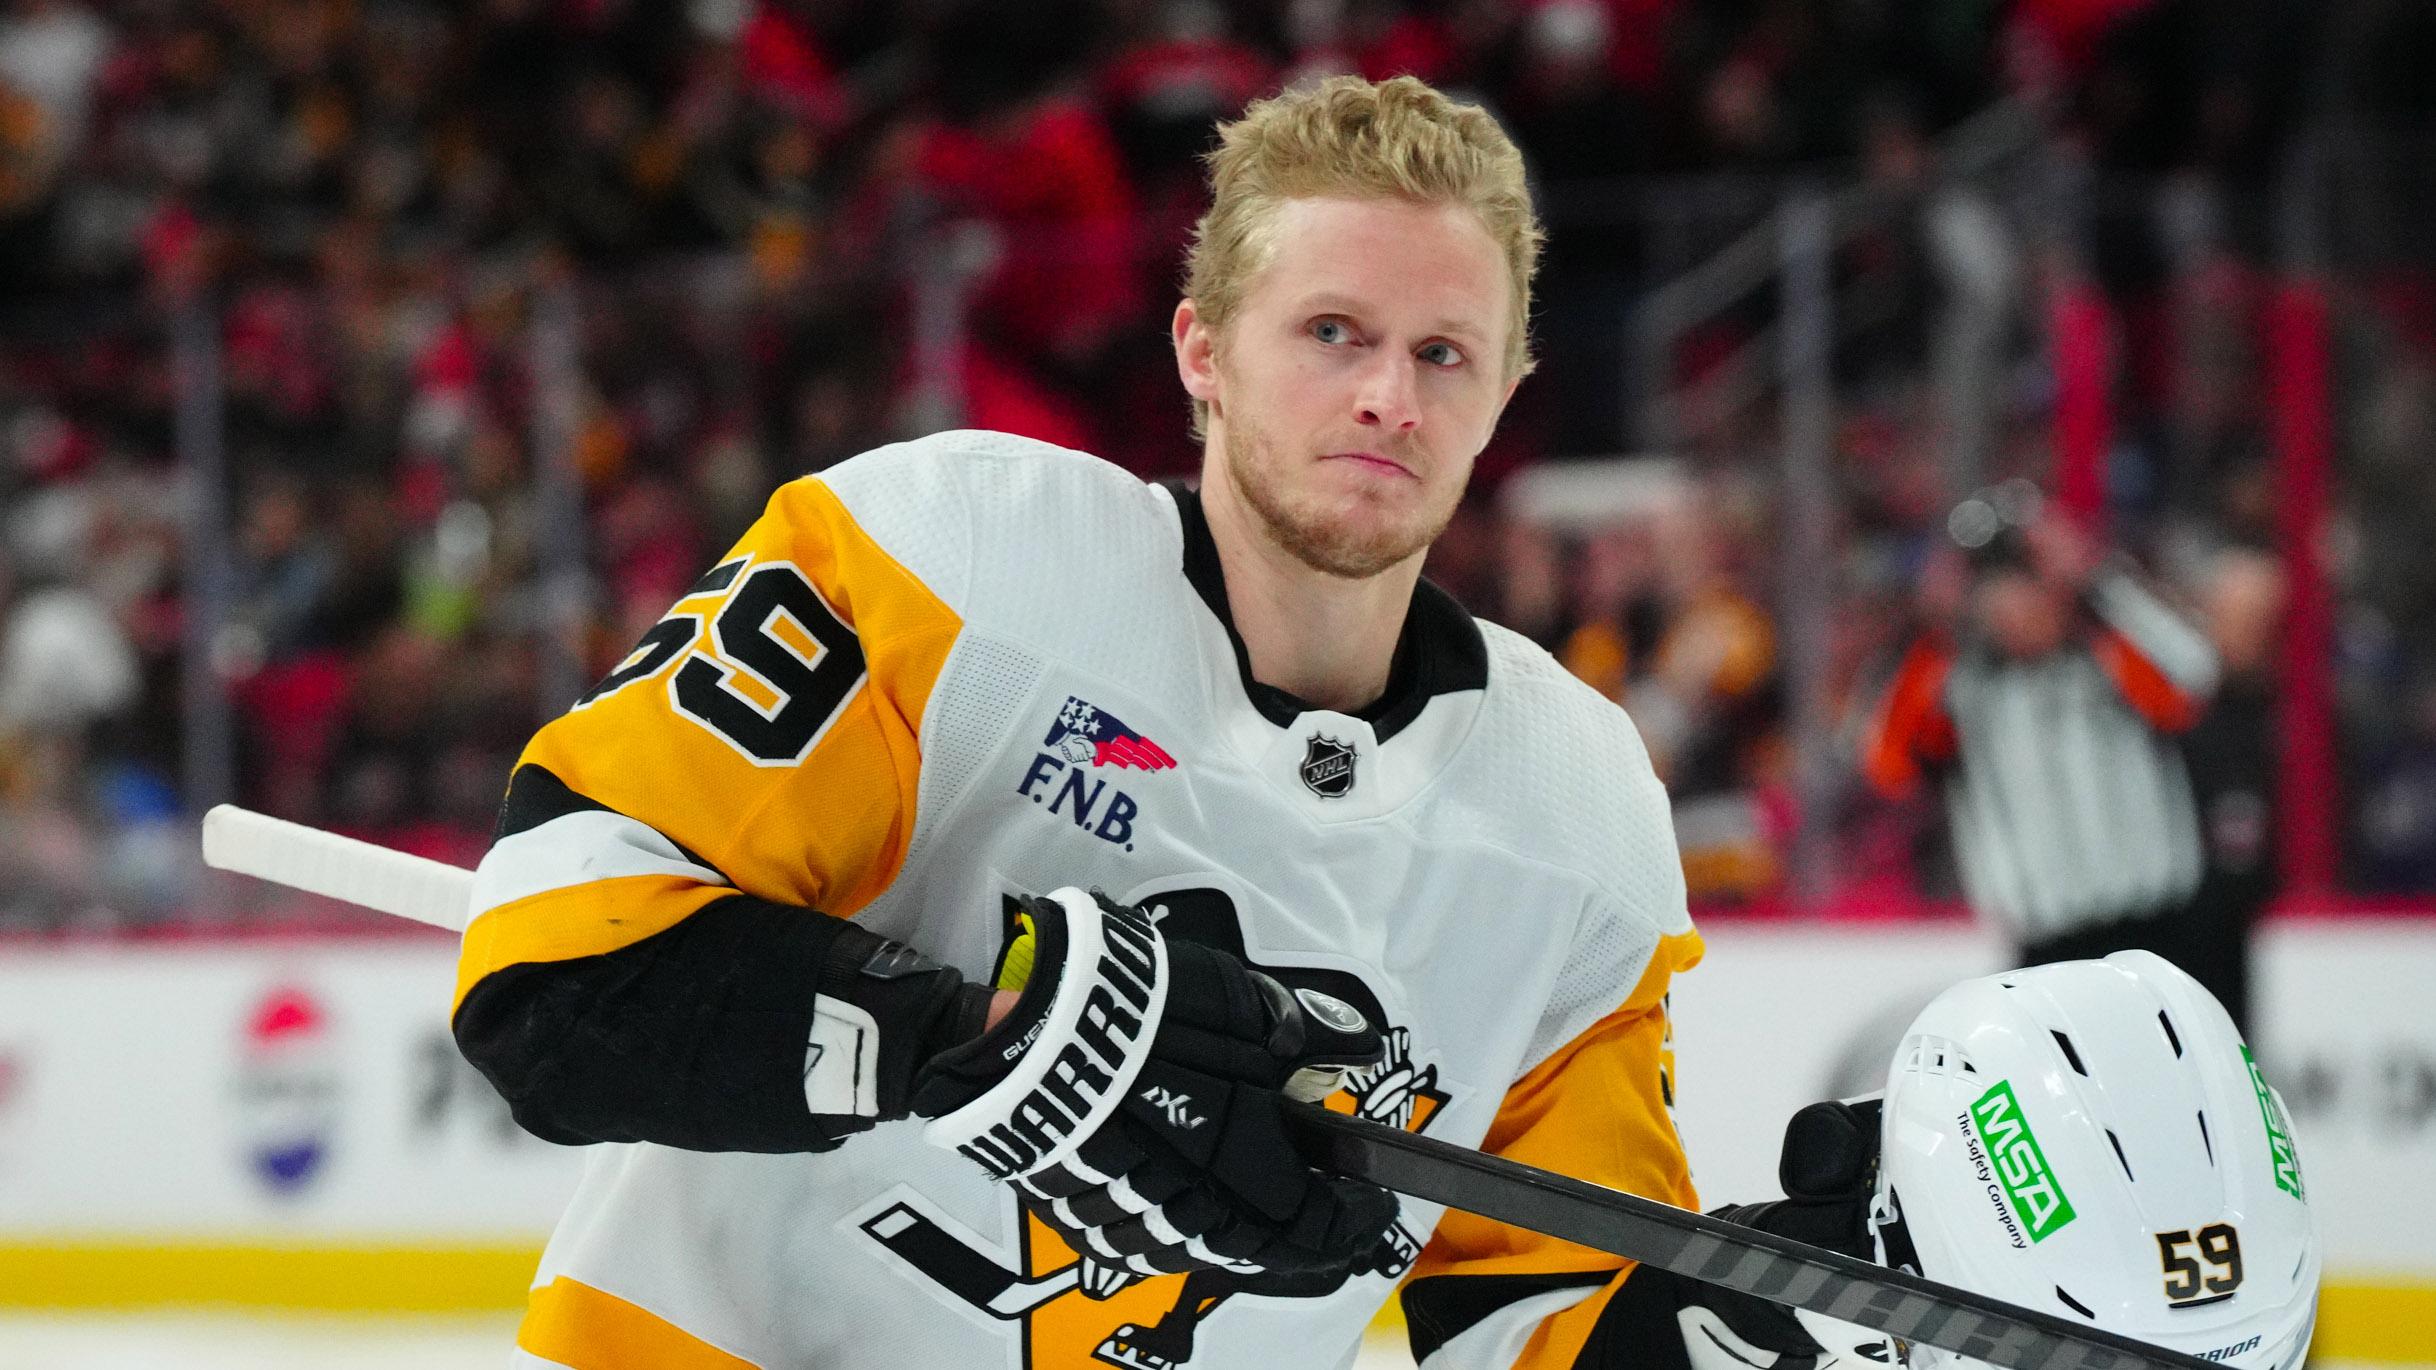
(1601,1109)
(770,726)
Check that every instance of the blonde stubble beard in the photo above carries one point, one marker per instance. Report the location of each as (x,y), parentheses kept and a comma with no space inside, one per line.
(1334,547)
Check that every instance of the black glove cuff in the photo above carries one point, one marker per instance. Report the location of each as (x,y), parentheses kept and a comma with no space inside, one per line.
(964,1066)
(873,988)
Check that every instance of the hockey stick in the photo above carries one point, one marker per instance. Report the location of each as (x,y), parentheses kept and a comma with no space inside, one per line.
(342,868)
(1717,1252)
(1694,1245)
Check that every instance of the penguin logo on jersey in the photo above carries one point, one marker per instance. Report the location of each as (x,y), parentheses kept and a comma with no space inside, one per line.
(1076,1309)
(1328,766)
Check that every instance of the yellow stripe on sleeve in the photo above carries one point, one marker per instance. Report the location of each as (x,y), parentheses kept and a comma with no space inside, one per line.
(563,924)
(584,1328)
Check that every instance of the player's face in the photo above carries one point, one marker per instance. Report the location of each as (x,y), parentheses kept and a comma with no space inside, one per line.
(1362,374)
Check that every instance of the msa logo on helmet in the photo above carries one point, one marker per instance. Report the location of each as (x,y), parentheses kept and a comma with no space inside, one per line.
(2279,1137)
(2021,1167)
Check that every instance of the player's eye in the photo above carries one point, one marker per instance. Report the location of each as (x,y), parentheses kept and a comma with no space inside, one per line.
(1442,354)
(1332,331)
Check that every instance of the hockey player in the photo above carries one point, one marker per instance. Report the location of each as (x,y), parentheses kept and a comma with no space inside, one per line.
(2089,1138)
(1214,777)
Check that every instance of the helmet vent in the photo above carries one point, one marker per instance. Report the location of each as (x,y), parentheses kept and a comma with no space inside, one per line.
(2204,1139)
(1937,1057)
(2117,1142)
(2075,1304)
(2069,1054)
(2172,1039)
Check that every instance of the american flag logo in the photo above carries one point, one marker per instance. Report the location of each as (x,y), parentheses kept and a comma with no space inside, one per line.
(1085,732)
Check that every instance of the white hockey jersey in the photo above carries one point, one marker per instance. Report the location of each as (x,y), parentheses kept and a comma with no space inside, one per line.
(972,665)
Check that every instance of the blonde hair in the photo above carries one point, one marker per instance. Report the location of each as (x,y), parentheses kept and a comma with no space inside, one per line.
(1353,138)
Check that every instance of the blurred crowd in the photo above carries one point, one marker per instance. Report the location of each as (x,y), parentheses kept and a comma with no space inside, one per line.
(503,317)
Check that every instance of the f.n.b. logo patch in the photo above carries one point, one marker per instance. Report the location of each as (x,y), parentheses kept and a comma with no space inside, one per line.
(1064,774)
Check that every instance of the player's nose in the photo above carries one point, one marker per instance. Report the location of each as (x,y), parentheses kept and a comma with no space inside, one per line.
(1389,395)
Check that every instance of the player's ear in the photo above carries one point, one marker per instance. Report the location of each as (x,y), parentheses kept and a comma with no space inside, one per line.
(1506,399)
(1196,353)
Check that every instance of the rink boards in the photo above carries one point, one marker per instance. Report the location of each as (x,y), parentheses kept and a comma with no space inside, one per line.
(288,1125)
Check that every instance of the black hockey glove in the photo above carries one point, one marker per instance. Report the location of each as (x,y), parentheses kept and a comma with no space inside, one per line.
(1133,1094)
(1661,1320)
(881,1012)
(1828,1170)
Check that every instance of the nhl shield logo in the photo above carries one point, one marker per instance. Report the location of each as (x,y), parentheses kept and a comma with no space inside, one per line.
(1328,766)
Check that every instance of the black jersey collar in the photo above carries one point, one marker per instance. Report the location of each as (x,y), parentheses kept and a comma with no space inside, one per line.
(1440,652)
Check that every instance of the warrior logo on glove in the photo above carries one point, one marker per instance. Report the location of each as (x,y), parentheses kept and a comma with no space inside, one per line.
(1078,1308)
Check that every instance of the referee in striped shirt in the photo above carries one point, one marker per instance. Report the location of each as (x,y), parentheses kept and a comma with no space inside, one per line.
(2049,719)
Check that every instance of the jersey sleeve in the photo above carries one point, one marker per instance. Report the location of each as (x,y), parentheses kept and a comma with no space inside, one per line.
(678,851)
(1910,725)
(1599,1107)
(2164,667)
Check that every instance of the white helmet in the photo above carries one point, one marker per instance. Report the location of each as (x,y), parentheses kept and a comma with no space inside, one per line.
(2093,1139)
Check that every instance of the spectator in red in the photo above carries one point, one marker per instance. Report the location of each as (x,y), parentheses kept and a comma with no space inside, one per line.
(1019,149)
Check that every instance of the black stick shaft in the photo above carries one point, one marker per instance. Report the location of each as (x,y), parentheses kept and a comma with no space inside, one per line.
(1764,1264)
